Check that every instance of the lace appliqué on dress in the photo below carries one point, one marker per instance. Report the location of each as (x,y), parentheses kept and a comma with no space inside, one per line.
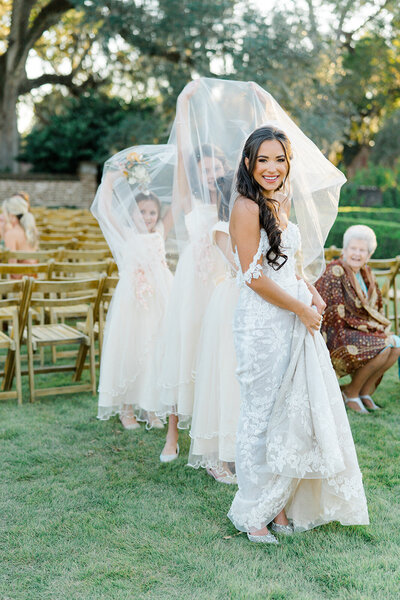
(255,270)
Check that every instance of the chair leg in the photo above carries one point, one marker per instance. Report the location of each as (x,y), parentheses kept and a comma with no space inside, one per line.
(30,359)
(92,353)
(53,321)
(17,361)
(396,317)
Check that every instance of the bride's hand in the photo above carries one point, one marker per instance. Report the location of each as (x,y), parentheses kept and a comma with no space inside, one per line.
(318,302)
(310,318)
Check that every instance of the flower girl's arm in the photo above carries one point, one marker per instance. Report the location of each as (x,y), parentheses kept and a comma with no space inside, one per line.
(168,221)
(223,243)
(245,235)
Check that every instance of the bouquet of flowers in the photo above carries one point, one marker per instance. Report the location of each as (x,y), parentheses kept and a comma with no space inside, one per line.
(136,171)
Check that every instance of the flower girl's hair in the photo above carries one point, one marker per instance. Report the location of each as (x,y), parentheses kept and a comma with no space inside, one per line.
(143,197)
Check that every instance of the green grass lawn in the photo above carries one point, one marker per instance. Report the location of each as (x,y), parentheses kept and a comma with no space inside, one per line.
(88,512)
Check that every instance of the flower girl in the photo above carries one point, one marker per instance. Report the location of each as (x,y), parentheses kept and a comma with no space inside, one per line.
(217,393)
(128,205)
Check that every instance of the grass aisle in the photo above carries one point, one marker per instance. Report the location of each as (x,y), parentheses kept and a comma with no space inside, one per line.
(88,512)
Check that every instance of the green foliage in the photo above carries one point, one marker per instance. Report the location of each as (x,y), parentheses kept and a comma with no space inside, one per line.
(88,128)
(386,149)
(387,234)
(384,178)
(89,513)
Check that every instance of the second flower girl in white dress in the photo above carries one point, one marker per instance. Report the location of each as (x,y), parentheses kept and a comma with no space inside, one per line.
(217,394)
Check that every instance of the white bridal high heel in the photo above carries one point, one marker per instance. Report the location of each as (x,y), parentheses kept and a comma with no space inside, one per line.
(357,400)
(269,538)
(284,529)
(166,458)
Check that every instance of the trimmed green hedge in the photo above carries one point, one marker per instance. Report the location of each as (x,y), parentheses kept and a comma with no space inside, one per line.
(376,213)
(387,234)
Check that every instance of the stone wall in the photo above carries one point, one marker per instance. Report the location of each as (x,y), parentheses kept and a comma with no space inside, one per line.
(53,190)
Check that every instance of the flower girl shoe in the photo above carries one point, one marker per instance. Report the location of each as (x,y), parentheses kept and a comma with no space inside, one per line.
(166,458)
(269,538)
(129,422)
(357,400)
(373,405)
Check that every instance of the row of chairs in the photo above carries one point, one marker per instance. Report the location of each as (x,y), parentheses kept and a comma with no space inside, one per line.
(53,269)
(27,306)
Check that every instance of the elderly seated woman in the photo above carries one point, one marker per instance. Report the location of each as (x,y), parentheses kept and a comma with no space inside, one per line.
(355,329)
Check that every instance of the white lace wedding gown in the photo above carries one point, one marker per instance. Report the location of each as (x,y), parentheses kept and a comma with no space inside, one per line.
(294,445)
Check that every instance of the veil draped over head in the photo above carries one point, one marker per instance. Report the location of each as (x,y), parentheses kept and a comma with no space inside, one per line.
(135,183)
(129,178)
(213,120)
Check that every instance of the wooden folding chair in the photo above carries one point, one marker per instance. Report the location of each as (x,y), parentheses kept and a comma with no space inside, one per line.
(331,253)
(89,245)
(41,256)
(57,245)
(11,364)
(19,270)
(100,308)
(38,336)
(388,269)
(108,290)
(85,255)
(80,270)
(11,297)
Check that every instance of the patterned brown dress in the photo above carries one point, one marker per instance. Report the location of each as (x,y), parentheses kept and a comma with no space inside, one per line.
(354,328)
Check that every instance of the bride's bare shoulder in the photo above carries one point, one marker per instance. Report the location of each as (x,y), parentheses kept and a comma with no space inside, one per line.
(244,208)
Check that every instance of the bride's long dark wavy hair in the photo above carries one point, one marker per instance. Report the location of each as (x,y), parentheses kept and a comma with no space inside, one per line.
(248,187)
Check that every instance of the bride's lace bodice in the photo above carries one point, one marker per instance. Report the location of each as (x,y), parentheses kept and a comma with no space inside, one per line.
(286,275)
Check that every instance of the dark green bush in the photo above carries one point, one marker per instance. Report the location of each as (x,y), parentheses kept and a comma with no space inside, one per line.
(387,235)
(384,178)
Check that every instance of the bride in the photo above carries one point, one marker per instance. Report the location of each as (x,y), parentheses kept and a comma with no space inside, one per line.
(295,456)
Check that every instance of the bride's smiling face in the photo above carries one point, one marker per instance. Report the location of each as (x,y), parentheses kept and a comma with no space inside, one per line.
(271,166)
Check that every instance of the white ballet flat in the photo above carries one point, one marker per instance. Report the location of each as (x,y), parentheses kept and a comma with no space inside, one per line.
(156,424)
(129,426)
(228,479)
(166,458)
(284,529)
(269,538)
(362,411)
(374,406)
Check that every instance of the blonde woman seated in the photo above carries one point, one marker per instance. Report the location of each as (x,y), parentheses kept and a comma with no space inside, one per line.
(19,229)
(354,327)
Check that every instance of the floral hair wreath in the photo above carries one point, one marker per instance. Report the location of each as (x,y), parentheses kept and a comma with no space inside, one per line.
(136,170)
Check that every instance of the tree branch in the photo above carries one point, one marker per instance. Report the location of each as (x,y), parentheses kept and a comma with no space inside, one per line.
(350,34)
(29,84)
(48,16)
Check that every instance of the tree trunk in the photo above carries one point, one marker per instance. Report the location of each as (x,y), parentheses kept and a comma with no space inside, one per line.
(9,140)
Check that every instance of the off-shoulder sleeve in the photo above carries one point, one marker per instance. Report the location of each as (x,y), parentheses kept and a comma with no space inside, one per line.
(255,269)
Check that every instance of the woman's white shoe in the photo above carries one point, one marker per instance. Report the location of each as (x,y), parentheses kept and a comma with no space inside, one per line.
(357,401)
(166,458)
(373,405)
